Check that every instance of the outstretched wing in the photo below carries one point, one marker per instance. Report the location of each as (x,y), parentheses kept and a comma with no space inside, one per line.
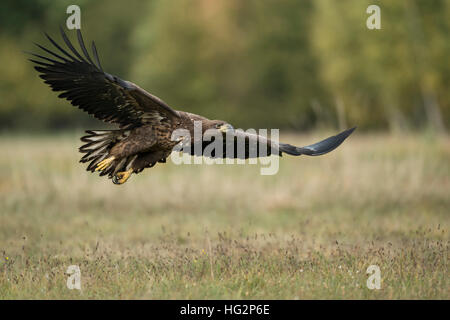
(87,86)
(319,148)
(242,145)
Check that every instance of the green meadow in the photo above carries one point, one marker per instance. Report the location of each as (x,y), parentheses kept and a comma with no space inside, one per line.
(227,232)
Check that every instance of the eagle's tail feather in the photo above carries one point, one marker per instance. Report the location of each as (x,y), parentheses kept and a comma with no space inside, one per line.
(97,145)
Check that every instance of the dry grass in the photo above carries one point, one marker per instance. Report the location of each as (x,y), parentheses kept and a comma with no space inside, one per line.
(224,232)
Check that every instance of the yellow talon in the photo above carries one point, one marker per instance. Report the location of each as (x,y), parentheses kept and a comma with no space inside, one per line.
(122,177)
(102,165)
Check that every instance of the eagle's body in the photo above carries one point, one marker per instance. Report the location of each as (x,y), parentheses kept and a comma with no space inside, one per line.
(146,123)
(137,148)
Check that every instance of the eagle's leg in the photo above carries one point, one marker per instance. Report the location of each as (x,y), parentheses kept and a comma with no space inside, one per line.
(102,165)
(122,176)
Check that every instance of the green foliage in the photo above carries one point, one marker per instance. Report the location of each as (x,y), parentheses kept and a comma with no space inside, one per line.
(286,64)
(384,76)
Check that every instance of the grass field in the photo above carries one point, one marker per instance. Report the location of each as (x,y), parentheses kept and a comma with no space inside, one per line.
(226,232)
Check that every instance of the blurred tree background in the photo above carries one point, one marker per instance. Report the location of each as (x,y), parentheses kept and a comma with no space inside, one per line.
(287,64)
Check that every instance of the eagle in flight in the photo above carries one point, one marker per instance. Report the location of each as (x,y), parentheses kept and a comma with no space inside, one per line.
(146,123)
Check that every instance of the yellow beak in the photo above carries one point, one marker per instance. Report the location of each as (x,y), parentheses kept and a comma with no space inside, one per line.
(226,128)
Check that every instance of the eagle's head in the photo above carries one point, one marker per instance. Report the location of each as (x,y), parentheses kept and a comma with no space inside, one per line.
(220,125)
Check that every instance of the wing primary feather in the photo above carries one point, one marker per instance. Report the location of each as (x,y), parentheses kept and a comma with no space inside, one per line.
(41,63)
(69,44)
(94,50)
(51,52)
(83,47)
(59,47)
(42,57)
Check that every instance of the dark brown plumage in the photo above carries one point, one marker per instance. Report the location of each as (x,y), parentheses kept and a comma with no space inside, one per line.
(146,123)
